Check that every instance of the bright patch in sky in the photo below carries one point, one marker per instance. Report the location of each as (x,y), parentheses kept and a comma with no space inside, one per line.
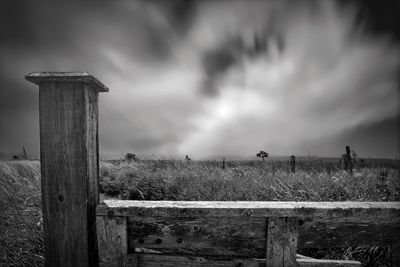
(223,77)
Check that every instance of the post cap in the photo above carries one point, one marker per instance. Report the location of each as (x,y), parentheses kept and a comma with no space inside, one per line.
(73,76)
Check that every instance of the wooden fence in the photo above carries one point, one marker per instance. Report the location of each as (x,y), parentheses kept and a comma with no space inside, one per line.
(79,232)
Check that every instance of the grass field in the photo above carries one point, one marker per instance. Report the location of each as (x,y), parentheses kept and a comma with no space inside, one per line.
(21,241)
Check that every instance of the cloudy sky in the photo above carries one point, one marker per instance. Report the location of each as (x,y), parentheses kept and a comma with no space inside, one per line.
(213,77)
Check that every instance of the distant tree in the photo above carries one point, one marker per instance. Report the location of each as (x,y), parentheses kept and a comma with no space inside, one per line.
(262,154)
(188,159)
(130,157)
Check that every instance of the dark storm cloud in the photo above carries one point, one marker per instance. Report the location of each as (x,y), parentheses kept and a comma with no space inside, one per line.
(74,27)
(243,42)
(74,36)
(230,54)
(180,13)
(217,61)
(381,17)
(272,68)
(376,140)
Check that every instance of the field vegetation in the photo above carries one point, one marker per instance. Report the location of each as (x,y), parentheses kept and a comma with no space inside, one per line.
(21,241)
(21,236)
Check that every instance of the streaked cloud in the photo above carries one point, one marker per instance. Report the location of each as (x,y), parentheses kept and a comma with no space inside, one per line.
(204,77)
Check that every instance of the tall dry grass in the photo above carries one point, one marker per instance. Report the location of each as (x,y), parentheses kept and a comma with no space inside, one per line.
(178,180)
(21,242)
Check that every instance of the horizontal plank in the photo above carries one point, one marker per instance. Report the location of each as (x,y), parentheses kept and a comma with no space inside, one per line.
(327,263)
(343,231)
(205,228)
(198,236)
(248,208)
(151,260)
(247,238)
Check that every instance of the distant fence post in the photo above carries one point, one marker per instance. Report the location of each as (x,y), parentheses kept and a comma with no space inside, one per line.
(347,161)
(68,111)
(293,163)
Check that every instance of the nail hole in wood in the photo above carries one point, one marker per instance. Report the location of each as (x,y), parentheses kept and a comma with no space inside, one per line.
(60,198)
(158,240)
(179,240)
(141,240)
(249,213)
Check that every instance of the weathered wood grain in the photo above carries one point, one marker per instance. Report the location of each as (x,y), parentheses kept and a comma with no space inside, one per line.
(92,159)
(308,261)
(249,208)
(327,263)
(326,224)
(112,240)
(281,241)
(64,173)
(198,236)
(396,254)
(69,167)
(246,236)
(342,231)
(39,78)
(153,260)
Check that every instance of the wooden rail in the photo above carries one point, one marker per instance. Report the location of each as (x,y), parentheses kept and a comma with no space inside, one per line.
(165,233)
(185,233)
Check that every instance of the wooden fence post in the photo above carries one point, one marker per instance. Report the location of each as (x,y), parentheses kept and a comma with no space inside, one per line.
(281,241)
(293,163)
(113,240)
(395,254)
(69,158)
(347,161)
